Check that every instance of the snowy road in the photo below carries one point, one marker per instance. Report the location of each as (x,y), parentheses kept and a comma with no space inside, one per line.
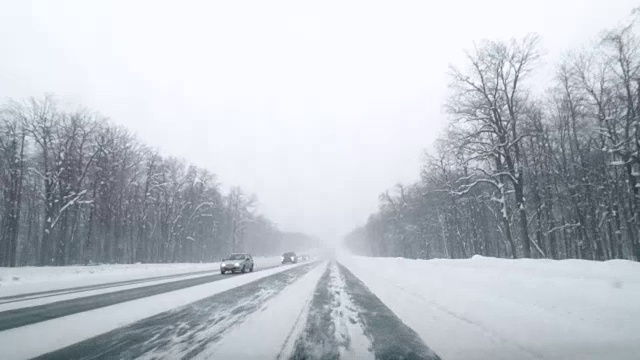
(317,310)
(310,311)
(77,289)
(352,308)
(187,331)
(63,303)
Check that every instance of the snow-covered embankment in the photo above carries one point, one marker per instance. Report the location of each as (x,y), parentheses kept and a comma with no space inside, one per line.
(485,308)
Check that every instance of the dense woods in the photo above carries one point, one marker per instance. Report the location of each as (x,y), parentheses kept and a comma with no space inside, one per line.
(519,173)
(76,189)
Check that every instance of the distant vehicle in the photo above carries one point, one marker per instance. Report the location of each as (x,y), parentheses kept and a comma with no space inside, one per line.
(237,263)
(304,258)
(289,257)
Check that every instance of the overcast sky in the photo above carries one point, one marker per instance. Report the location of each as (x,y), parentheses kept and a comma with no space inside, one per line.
(314,107)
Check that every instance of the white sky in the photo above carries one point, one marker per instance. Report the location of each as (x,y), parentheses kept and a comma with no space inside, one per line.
(317,107)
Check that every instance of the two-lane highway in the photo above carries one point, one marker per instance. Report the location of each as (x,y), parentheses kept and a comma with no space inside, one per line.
(77,289)
(33,314)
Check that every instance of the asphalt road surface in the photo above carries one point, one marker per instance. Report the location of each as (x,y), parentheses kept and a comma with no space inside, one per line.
(335,317)
(79,289)
(30,315)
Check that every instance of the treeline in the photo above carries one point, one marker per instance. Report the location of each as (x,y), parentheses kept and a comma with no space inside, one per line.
(525,174)
(76,189)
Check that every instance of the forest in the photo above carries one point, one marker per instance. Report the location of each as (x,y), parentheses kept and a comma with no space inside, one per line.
(77,189)
(526,172)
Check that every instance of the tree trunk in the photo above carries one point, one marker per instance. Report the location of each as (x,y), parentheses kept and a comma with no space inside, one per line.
(524,228)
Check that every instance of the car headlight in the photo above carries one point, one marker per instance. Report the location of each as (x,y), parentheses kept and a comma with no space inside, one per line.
(236,264)
(222,264)
(292,258)
(281,258)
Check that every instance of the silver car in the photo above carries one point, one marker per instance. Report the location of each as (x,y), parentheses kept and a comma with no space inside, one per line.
(237,263)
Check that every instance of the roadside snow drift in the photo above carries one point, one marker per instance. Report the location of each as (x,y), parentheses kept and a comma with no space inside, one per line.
(487,308)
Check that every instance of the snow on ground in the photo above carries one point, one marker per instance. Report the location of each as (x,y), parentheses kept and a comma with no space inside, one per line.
(487,308)
(275,330)
(333,326)
(22,280)
(272,329)
(11,304)
(60,332)
(354,344)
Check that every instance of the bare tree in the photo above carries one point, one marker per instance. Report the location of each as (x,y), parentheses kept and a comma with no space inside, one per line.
(77,189)
(562,166)
(488,105)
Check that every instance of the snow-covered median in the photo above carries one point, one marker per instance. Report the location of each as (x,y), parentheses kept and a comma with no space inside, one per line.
(29,279)
(486,308)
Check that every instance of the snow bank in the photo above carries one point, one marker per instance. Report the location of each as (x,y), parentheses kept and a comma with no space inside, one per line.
(21,280)
(483,307)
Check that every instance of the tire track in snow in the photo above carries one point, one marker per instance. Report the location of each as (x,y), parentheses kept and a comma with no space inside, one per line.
(391,338)
(347,321)
(349,330)
(185,332)
(318,340)
(290,343)
(333,329)
(272,330)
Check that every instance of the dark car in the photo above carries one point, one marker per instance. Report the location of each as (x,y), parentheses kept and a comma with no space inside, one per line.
(237,263)
(289,257)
